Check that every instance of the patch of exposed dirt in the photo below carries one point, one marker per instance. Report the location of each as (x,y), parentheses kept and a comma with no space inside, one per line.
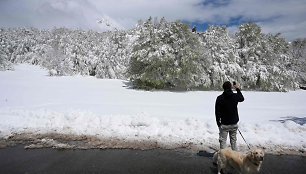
(68,141)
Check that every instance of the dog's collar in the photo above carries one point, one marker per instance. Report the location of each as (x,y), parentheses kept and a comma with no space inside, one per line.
(256,164)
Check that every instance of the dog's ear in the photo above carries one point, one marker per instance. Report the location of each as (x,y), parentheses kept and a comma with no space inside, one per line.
(259,151)
(262,153)
(252,154)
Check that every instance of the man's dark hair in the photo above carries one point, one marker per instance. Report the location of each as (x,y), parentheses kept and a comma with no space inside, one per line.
(227,85)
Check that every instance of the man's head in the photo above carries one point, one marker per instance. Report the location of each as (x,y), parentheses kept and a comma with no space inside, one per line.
(227,85)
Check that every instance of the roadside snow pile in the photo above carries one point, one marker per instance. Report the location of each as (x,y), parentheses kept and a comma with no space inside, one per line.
(85,112)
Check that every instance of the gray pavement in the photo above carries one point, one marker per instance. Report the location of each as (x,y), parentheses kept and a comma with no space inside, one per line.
(17,160)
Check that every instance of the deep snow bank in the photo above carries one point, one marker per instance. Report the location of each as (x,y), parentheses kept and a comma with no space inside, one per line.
(108,114)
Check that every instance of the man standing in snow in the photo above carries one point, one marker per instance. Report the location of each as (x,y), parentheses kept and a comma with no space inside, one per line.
(227,114)
(194,29)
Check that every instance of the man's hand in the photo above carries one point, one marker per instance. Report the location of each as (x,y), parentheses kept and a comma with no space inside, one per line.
(236,86)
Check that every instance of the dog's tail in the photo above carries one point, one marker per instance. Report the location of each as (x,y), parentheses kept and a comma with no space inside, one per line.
(215,158)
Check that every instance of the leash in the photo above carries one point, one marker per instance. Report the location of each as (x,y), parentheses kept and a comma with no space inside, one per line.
(244,139)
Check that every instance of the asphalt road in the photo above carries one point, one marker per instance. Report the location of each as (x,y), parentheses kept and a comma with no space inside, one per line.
(16,160)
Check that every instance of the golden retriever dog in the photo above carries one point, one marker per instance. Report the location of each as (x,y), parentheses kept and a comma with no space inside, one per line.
(236,162)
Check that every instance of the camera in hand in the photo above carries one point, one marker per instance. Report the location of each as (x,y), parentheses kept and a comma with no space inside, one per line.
(234,83)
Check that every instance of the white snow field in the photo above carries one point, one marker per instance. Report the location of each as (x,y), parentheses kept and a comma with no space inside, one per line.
(31,102)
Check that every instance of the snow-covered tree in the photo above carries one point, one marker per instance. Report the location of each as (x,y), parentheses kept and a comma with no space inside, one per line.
(166,55)
(264,58)
(223,64)
(298,62)
(4,63)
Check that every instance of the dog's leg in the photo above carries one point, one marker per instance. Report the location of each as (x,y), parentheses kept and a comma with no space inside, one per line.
(215,158)
(219,170)
(221,166)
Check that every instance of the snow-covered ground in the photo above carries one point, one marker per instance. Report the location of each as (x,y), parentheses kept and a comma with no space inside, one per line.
(31,102)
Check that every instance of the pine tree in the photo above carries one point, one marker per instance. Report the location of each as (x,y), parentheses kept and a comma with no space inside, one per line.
(298,59)
(265,58)
(165,56)
(223,58)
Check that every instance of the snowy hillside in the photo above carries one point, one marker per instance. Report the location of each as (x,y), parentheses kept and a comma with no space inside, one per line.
(103,113)
(158,54)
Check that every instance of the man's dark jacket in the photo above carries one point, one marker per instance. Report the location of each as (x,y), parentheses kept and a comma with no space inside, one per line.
(226,107)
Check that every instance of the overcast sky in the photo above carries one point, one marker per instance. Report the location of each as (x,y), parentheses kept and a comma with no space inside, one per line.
(285,16)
